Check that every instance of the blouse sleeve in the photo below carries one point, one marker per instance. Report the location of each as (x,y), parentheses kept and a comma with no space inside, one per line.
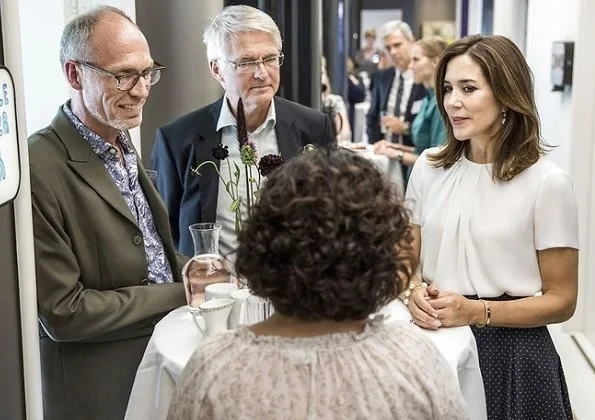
(413,196)
(556,213)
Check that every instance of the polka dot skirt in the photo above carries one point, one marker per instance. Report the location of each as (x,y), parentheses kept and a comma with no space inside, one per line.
(522,373)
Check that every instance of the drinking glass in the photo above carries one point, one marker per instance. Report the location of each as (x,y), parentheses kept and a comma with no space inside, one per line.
(384,129)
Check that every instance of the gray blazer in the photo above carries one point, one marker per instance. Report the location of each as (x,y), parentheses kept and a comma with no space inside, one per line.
(95,316)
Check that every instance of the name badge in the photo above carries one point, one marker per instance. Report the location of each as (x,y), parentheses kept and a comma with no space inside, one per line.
(416,106)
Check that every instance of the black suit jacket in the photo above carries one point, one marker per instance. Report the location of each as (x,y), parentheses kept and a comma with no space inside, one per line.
(189,141)
(382,86)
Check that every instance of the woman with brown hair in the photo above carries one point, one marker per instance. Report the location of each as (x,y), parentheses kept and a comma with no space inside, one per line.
(325,243)
(496,228)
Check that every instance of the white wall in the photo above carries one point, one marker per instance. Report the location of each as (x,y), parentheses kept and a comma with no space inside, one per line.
(187,83)
(45,86)
(510,20)
(582,159)
(549,21)
(568,120)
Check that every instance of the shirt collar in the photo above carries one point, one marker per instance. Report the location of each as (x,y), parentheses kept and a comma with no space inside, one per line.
(227,119)
(407,74)
(99,145)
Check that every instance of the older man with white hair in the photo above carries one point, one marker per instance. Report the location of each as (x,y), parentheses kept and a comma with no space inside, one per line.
(244,54)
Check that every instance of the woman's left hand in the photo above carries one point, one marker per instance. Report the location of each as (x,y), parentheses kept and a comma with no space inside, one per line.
(455,310)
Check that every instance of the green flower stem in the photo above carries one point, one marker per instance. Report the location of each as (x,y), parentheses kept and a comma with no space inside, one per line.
(229,191)
(248,201)
(231,187)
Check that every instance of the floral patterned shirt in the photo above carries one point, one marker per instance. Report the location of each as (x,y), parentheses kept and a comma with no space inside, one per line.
(125,175)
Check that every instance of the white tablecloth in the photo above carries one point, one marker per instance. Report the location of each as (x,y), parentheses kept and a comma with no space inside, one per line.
(390,167)
(175,338)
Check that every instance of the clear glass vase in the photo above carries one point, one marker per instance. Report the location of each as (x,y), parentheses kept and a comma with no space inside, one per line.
(206,266)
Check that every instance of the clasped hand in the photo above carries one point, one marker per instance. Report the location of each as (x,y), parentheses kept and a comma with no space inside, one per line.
(386,148)
(393,124)
(431,308)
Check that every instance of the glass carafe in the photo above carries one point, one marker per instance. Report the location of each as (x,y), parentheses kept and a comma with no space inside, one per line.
(206,266)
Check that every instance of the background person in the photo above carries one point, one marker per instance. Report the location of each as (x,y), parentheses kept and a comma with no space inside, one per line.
(356,92)
(496,226)
(334,106)
(105,263)
(392,108)
(427,128)
(368,56)
(320,355)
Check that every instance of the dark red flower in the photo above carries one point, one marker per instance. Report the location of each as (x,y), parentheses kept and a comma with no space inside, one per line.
(241,124)
(220,152)
(268,163)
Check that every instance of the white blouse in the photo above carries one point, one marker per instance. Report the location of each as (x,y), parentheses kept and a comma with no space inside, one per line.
(480,236)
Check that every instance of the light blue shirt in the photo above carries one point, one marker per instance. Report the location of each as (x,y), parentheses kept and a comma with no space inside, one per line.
(265,140)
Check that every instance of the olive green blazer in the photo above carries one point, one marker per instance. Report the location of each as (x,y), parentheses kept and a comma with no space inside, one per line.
(95,315)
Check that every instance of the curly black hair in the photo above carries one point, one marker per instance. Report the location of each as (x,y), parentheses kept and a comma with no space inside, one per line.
(328,240)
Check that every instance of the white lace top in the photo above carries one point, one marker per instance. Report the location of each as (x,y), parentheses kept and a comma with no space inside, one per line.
(389,371)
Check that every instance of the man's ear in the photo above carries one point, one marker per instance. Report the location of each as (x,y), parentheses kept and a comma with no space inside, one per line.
(73,75)
(216,71)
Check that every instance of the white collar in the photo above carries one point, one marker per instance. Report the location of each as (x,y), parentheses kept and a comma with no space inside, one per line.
(227,119)
(407,74)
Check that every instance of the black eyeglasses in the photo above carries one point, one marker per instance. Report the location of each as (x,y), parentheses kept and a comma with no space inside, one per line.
(251,66)
(126,81)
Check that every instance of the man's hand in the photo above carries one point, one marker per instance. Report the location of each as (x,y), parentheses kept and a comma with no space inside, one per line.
(394,124)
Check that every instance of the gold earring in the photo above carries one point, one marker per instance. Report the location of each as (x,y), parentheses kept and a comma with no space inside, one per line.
(503,117)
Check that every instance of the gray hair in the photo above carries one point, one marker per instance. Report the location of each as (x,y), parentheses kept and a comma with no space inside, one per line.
(393,26)
(234,20)
(76,37)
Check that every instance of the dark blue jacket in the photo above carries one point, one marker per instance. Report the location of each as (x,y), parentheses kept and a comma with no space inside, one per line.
(189,141)
(382,85)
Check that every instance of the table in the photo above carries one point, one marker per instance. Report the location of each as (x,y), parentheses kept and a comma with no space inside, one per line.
(390,167)
(175,338)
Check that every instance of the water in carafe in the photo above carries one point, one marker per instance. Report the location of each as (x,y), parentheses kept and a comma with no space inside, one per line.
(206,266)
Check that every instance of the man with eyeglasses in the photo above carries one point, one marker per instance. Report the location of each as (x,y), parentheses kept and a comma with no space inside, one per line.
(244,54)
(105,262)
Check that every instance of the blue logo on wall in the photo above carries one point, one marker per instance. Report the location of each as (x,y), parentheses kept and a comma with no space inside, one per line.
(2,169)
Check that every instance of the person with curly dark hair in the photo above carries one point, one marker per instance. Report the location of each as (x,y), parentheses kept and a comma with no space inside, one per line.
(328,244)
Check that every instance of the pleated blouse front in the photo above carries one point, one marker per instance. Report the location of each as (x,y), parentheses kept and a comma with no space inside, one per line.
(481,236)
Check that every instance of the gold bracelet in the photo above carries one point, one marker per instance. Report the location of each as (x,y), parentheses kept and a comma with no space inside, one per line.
(412,286)
(488,314)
